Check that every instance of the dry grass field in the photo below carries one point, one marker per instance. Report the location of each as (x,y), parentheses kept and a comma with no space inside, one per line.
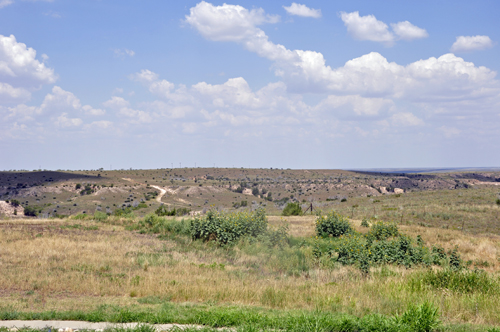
(81,265)
(74,264)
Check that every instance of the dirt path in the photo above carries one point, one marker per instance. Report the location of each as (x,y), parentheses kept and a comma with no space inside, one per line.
(78,325)
(162,193)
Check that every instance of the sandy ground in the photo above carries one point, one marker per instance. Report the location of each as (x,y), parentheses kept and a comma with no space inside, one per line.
(8,210)
(69,326)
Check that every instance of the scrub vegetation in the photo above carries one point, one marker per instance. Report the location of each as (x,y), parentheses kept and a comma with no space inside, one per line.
(248,269)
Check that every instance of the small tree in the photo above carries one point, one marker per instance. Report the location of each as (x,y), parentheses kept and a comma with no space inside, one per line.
(292,209)
(30,211)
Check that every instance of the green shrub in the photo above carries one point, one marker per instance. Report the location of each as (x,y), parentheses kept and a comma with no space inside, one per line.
(400,251)
(164,211)
(30,211)
(292,209)
(455,261)
(438,255)
(365,223)
(333,224)
(382,230)
(100,216)
(227,228)
(350,249)
(498,201)
(15,202)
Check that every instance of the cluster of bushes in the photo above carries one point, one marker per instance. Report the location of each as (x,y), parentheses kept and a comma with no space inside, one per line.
(237,205)
(219,227)
(227,228)
(87,190)
(164,211)
(382,244)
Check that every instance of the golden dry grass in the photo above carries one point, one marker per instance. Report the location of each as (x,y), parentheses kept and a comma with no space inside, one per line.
(48,267)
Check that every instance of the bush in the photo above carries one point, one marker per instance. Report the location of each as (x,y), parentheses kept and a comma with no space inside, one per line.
(333,224)
(30,211)
(100,216)
(15,202)
(292,209)
(382,231)
(164,211)
(228,228)
(365,223)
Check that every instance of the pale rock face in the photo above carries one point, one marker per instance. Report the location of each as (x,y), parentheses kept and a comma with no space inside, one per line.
(398,191)
(383,190)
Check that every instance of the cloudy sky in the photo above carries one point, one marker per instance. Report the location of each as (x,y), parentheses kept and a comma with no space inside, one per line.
(316,84)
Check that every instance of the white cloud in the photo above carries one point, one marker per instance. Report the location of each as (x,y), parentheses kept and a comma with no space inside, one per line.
(302,10)
(117,91)
(121,53)
(9,94)
(407,31)
(471,43)
(227,22)
(367,28)
(4,3)
(19,66)
(145,76)
(116,103)
(60,101)
(64,122)
(89,110)
(405,119)
(123,109)
(22,113)
(360,106)
(447,77)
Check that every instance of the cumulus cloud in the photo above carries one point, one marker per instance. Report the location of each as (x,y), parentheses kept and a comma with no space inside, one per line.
(445,78)
(123,109)
(302,10)
(343,106)
(19,66)
(367,28)
(9,94)
(471,43)
(227,22)
(59,102)
(407,31)
(64,122)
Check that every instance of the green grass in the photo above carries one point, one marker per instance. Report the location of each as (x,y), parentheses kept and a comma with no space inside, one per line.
(419,318)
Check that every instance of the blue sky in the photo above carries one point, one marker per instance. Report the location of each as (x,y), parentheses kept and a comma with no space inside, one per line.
(316,84)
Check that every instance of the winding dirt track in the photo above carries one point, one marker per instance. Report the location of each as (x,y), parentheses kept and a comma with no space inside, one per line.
(162,193)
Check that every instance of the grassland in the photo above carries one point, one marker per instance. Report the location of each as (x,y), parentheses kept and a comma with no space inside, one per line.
(86,266)
(117,268)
